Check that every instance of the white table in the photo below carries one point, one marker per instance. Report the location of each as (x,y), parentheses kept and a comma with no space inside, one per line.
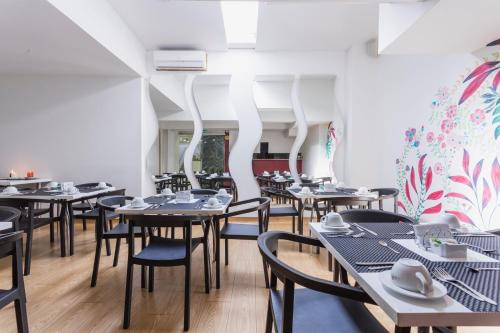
(27,181)
(408,312)
(66,212)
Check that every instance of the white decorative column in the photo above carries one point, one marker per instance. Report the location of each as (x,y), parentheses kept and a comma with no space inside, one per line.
(249,134)
(197,132)
(300,121)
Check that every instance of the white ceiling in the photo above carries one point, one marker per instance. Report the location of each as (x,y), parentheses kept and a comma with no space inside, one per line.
(309,26)
(37,39)
(303,26)
(161,24)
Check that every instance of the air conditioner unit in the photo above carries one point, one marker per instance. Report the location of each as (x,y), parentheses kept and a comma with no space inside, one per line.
(180,60)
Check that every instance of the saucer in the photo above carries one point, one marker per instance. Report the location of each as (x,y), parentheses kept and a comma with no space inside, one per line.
(207,206)
(438,292)
(343,226)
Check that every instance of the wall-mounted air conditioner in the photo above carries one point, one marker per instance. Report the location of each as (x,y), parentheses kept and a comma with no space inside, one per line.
(180,60)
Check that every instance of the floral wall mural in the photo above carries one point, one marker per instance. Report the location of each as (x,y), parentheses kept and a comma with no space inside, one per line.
(451,163)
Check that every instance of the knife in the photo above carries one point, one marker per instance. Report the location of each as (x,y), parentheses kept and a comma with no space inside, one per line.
(375,263)
(366,229)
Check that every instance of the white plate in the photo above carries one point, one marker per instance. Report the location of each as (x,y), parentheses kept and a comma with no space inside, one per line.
(438,292)
(207,206)
(343,226)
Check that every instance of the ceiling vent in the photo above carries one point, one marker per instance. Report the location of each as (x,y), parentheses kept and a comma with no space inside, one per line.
(180,60)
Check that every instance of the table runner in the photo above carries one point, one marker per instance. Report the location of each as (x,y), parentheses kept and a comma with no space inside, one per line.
(368,249)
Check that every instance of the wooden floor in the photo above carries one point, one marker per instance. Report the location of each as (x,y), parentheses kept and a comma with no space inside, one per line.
(60,298)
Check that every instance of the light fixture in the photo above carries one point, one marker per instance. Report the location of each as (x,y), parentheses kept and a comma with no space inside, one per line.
(240,23)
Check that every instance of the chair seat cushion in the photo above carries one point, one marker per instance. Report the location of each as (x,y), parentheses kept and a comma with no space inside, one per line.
(240,231)
(314,311)
(283,211)
(94,214)
(165,250)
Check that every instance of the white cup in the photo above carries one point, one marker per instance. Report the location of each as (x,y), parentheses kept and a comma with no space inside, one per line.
(411,274)
(329,187)
(450,220)
(102,185)
(332,219)
(67,187)
(225,174)
(137,202)
(222,192)
(305,190)
(166,191)
(363,190)
(10,190)
(265,173)
(212,202)
(303,175)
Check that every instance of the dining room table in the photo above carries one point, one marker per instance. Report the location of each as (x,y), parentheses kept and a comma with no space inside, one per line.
(65,202)
(368,261)
(334,197)
(24,181)
(167,204)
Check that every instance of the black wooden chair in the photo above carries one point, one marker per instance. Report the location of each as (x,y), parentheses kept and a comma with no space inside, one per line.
(282,211)
(28,222)
(85,205)
(387,194)
(162,252)
(106,231)
(9,215)
(10,245)
(321,306)
(244,231)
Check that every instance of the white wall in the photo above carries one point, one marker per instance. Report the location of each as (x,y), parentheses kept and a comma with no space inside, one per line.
(387,95)
(149,141)
(279,141)
(68,128)
(314,160)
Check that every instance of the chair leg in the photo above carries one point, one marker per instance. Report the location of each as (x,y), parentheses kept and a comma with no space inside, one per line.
(27,254)
(269,318)
(108,247)
(117,252)
(266,274)
(172,230)
(151,283)
(226,250)
(187,297)
(21,315)
(330,262)
(97,258)
(84,222)
(128,295)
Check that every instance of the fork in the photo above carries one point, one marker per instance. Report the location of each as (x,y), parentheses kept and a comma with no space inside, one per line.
(441,274)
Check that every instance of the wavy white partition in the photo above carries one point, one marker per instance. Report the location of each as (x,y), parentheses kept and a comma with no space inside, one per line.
(197,132)
(301,123)
(250,132)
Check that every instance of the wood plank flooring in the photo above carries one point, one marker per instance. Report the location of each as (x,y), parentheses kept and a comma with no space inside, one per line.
(60,298)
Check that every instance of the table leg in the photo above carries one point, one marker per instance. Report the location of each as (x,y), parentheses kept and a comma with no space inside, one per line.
(300,226)
(217,253)
(71,225)
(423,330)
(62,229)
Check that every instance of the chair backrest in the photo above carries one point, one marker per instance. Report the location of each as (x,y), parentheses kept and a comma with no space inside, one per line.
(111,202)
(268,247)
(91,185)
(260,205)
(372,215)
(7,242)
(203,191)
(385,194)
(9,214)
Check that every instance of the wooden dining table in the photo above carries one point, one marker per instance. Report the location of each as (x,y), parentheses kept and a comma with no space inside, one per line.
(457,308)
(65,201)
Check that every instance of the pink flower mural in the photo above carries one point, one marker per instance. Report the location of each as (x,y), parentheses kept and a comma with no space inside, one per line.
(452,163)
